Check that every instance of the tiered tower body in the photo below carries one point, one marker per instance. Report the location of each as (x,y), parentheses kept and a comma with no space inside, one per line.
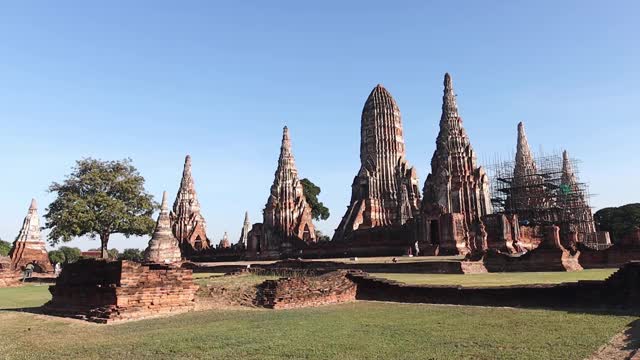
(29,246)
(456,184)
(287,212)
(385,191)
(531,198)
(163,246)
(187,223)
(576,214)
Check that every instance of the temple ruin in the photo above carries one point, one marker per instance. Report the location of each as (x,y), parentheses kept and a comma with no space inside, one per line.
(224,242)
(456,193)
(187,223)
(287,224)
(29,247)
(385,199)
(163,247)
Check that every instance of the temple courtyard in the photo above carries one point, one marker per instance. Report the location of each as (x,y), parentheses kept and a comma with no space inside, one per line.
(352,330)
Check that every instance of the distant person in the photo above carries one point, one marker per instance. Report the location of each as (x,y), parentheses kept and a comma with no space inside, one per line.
(57,268)
(394,260)
(28,271)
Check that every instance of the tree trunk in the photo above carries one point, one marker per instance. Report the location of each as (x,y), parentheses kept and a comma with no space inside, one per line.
(104,240)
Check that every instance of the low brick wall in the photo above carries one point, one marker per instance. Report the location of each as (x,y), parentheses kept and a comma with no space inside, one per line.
(424,267)
(541,259)
(306,291)
(622,289)
(615,256)
(107,291)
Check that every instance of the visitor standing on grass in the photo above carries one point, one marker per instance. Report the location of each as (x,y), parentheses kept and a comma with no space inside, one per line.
(28,271)
(57,268)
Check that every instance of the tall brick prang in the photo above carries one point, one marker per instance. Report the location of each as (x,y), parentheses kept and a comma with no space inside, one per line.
(385,192)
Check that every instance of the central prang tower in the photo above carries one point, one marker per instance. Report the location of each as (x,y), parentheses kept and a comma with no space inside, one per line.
(385,191)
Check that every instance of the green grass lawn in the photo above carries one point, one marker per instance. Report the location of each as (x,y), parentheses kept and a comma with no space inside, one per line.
(360,330)
(498,279)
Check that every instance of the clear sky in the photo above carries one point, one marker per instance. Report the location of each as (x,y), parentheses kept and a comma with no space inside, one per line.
(156,80)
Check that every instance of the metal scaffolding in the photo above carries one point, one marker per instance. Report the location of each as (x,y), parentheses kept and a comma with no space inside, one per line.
(544,196)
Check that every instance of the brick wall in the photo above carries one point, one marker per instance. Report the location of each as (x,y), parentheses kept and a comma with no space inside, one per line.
(107,291)
(622,289)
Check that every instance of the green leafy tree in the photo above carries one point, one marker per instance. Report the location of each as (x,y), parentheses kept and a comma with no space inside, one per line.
(311,192)
(56,256)
(5,247)
(97,199)
(131,254)
(71,254)
(618,221)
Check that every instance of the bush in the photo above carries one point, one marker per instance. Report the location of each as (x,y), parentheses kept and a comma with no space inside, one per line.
(5,247)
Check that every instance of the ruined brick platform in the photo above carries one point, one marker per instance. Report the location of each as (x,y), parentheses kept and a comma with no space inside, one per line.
(107,291)
(306,291)
(8,277)
(614,256)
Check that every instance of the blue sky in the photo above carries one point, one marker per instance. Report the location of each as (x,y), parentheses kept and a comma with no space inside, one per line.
(156,80)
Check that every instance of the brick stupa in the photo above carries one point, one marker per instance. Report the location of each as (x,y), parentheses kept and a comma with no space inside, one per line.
(163,247)
(29,246)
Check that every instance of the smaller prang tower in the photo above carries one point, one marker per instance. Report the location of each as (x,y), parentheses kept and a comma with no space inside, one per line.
(29,246)
(187,223)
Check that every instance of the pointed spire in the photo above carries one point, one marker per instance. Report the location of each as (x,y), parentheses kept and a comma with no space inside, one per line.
(568,176)
(525,164)
(286,161)
(285,148)
(34,205)
(246,227)
(246,217)
(449,104)
(164,206)
(187,222)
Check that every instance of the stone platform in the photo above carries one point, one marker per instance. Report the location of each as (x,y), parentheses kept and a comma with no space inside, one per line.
(8,276)
(107,291)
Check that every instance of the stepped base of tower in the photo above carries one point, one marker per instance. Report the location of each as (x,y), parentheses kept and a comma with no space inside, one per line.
(24,253)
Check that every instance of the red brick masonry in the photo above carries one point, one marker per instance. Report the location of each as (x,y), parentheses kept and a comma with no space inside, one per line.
(107,291)
(287,293)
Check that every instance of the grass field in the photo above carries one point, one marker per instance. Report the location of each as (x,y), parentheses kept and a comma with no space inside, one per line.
(498,279)
(360,330)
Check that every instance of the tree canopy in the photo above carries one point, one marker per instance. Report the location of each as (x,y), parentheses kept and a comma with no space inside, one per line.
(311,192)
(5,247)
(65,254)
(97,199)
(618,221)
(131,254)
